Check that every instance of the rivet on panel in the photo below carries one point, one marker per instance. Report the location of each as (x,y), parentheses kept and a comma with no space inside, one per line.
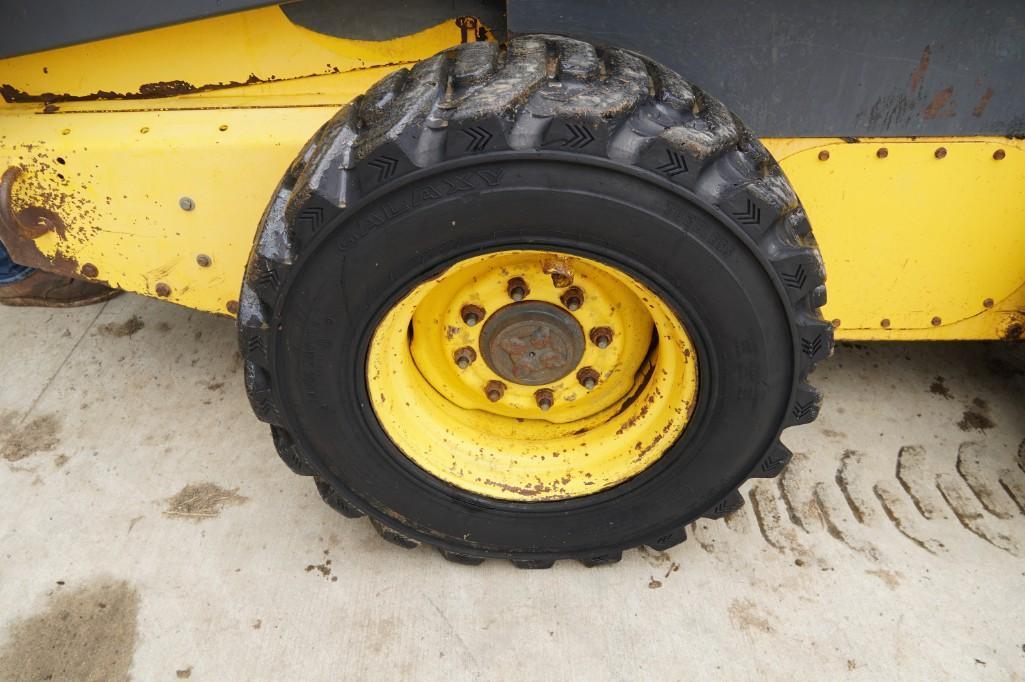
(223,127)
(90,270)
(824,155)
(988,303)
(186,203)
(232,307)
(144,130)
(203,260)
(936,321)
(999,154)
(836,323)
(885,324)
(163,290)
(882,152)
(940,152)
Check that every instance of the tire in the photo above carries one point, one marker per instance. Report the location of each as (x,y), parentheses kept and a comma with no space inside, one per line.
(548,142)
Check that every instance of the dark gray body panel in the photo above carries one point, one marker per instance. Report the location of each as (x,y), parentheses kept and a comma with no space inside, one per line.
(788,68)
(829,68)
(35,25)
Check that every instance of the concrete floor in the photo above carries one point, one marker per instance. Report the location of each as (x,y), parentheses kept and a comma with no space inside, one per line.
(894,546)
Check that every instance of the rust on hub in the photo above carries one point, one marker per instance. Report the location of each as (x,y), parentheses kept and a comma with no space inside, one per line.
(532,343)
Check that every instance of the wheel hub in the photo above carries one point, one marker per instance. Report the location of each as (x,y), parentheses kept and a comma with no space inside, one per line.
(532,343)
(532,375)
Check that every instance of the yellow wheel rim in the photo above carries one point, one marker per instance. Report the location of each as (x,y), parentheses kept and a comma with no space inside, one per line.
(532,376)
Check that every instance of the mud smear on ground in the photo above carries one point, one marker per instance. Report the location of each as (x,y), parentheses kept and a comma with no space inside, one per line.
(121,329)
(83,634)
(37,435)
(745,615)
(323,568)
(202,501)
(937,387)
(976,417)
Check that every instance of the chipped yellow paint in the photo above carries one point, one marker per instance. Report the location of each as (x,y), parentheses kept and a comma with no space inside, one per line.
(589,441)
(114,171)
(922,238)
(259,45)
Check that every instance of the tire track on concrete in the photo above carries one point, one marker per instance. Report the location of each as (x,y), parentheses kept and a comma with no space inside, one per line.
(894,507)
(970,514)
(913,475)
(971,467)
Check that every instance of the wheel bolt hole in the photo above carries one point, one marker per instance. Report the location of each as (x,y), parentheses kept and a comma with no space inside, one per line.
(544,399)
(573,298)
(472,314)
(464,357)
(494,390)
(601,336)
(517,289)
(588,378)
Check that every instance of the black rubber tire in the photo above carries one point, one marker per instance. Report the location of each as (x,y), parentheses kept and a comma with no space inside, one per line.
(546,143)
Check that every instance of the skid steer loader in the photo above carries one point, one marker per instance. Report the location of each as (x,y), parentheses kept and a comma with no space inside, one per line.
(529,280)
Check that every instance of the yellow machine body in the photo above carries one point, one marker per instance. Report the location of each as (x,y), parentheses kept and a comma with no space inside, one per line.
(150,173)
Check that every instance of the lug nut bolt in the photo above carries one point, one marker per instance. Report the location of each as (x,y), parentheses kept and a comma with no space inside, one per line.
(544,399)
(472,314)
(517,289)
(573,299)
(588,378)
(464,357)
(494,391)
(601,337)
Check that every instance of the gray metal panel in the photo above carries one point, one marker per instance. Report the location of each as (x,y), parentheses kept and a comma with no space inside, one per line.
(35,25)
(829,68)
(386,19)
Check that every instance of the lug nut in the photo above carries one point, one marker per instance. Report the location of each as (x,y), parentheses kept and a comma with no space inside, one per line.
(544,399)
(517,289)
(573,298)
(472,314)
(464,357)
(588,378)
(601,337)
(494,391)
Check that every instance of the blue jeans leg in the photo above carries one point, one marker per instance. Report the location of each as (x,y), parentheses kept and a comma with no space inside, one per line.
(11,272)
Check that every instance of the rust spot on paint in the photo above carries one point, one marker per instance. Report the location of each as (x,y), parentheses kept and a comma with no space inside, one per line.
(918,75)
(20,227)
(173,88)
(980,108)
(942,105)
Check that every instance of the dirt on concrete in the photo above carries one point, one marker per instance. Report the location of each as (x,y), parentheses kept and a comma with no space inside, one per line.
(745,615)
(39,434)
(121,329)
(202,501)
(88,633)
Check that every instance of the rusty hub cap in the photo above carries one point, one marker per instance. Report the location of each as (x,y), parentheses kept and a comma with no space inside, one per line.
(532,343)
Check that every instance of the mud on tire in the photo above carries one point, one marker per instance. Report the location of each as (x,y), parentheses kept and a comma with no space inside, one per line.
(553,100)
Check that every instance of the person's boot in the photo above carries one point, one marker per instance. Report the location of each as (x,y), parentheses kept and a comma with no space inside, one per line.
(47,290)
